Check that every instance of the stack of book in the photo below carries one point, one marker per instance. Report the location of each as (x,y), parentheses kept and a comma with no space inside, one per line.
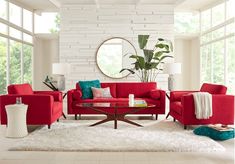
(140,103)
(221,127)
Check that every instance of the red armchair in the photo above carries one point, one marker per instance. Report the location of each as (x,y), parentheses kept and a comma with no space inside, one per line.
(44,107)
(182,106)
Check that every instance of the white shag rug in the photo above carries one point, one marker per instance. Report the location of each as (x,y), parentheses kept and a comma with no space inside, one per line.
(156,136)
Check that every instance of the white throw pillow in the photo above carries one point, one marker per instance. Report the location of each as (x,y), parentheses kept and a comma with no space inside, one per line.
(101,92)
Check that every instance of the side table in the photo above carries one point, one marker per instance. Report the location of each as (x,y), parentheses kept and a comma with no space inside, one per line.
(16,120)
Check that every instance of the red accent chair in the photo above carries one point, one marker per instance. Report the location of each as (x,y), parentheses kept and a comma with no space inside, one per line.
(44,107)
(120,92)
(182,106)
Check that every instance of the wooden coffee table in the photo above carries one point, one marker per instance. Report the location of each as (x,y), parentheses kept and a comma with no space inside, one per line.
(111,110)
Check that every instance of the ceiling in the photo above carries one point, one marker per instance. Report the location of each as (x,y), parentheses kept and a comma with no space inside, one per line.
(51,5)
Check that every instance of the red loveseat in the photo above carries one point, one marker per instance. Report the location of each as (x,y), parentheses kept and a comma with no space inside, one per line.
(120,92)
(182,106)
(44,107)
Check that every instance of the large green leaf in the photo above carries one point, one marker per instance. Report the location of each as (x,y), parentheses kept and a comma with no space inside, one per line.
(141,63)
(159,54)
(143,39)
(148,54)
(166,56)
(162,45)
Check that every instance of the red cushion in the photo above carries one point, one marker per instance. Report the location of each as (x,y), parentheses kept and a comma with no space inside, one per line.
(22,89)
(139,89)
(112,87)
(155,94)
(213,88)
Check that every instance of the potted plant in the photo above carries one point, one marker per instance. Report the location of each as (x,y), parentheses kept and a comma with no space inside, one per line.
(148,66)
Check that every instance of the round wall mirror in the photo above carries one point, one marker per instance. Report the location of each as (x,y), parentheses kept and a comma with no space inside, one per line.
(113,55)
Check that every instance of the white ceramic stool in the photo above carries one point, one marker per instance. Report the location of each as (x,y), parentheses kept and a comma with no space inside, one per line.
(16,120)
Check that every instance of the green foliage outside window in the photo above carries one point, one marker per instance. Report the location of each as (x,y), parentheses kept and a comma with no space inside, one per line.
(3,59)
(15,63)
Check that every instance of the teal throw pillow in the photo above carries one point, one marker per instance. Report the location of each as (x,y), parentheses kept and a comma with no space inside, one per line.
(86,88)
(213,133)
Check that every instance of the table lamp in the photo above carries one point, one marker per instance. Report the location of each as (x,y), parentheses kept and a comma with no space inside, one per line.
(60,69)
(172,69)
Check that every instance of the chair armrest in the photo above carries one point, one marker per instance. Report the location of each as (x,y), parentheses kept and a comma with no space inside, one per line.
(57,95)
(223,107)
(155,94)
(177,95)
(38,105)
(75,94)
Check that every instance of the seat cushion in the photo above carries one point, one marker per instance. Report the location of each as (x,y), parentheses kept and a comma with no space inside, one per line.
(139,89)
(86,88)
(22,89)
(176,107)
(213,88)
(213,133)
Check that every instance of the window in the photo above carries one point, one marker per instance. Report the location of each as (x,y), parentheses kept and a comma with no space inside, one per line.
(16,47)
(186,22)
(27,20)
(3,61)
(218,14)
(3,9)
(205,20)
(217,45)
(231,64)
(15,65)
(3,28)
(15,14)
(27,66)
(50,23)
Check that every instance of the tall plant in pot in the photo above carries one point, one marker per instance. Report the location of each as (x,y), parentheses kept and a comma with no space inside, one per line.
(147,66)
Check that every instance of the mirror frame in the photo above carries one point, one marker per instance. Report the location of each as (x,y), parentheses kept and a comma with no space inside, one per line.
(99,48)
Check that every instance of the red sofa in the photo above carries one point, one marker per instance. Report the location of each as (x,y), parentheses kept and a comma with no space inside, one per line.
(44,107)
(182,106)
(120,92)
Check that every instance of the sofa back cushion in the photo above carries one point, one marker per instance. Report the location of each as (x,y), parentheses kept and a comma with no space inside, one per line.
(213,88)
(22,89)
(139,89)
(112,87)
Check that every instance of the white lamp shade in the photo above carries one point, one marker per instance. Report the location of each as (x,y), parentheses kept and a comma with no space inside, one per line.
(60,68)
(172,68)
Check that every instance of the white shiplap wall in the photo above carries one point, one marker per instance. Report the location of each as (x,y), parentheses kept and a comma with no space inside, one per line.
(84,27)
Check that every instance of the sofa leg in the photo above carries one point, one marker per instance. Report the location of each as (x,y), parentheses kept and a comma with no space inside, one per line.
(174,119)
(156,116)
(76,117)
(185,127)
(58,120)
(49,126)
(80,117)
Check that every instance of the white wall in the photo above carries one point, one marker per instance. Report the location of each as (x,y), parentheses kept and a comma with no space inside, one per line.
(46,51)
(84,27)
(187,52)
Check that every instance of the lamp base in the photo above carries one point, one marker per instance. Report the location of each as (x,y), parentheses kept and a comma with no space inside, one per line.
(171,81)
(61,82)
